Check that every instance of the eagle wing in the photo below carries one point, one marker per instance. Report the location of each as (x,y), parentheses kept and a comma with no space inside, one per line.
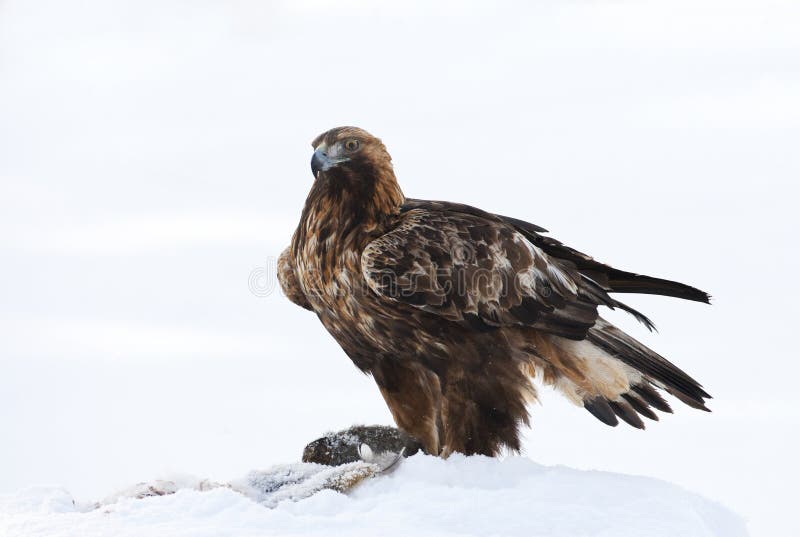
(610,278)
(489,271)
(475,268)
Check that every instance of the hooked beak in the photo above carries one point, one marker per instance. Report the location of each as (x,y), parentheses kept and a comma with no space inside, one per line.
(320,162)
(325,158)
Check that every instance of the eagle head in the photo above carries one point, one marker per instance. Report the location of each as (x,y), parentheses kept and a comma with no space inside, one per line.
(349,151)
(352,167)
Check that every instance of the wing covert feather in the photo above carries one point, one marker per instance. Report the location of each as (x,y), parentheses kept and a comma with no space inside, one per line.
(478,271)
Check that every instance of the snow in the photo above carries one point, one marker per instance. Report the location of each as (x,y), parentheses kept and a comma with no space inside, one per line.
(425,496)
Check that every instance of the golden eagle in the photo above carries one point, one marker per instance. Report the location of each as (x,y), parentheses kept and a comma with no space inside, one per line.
(454,310)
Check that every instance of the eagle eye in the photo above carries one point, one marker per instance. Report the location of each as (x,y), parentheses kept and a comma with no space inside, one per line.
(351,145)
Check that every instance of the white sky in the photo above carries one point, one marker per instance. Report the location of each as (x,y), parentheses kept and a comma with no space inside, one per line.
(153,154)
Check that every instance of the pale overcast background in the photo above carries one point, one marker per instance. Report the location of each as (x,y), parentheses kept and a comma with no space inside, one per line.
(153,154)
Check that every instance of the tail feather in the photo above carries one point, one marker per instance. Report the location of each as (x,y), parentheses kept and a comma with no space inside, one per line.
(655,367)
(694,403)
(640,406)
(614,376)
(627,413)
(601,409)
(652,397)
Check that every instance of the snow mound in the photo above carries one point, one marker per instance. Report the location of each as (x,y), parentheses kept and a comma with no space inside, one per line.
(424,496)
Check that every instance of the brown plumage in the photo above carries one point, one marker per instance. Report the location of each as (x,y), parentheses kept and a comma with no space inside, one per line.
(454,310)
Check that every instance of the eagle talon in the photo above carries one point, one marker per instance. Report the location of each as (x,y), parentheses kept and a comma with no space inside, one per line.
(387,461)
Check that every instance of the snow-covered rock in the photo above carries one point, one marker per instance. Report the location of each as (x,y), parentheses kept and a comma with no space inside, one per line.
(424,496)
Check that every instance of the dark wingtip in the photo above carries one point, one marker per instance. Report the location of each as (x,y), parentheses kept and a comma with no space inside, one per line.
(692,293)
(629,282)
(697,295)
(639,316)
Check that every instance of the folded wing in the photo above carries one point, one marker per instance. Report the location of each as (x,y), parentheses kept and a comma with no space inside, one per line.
(472,267)
(488,271)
